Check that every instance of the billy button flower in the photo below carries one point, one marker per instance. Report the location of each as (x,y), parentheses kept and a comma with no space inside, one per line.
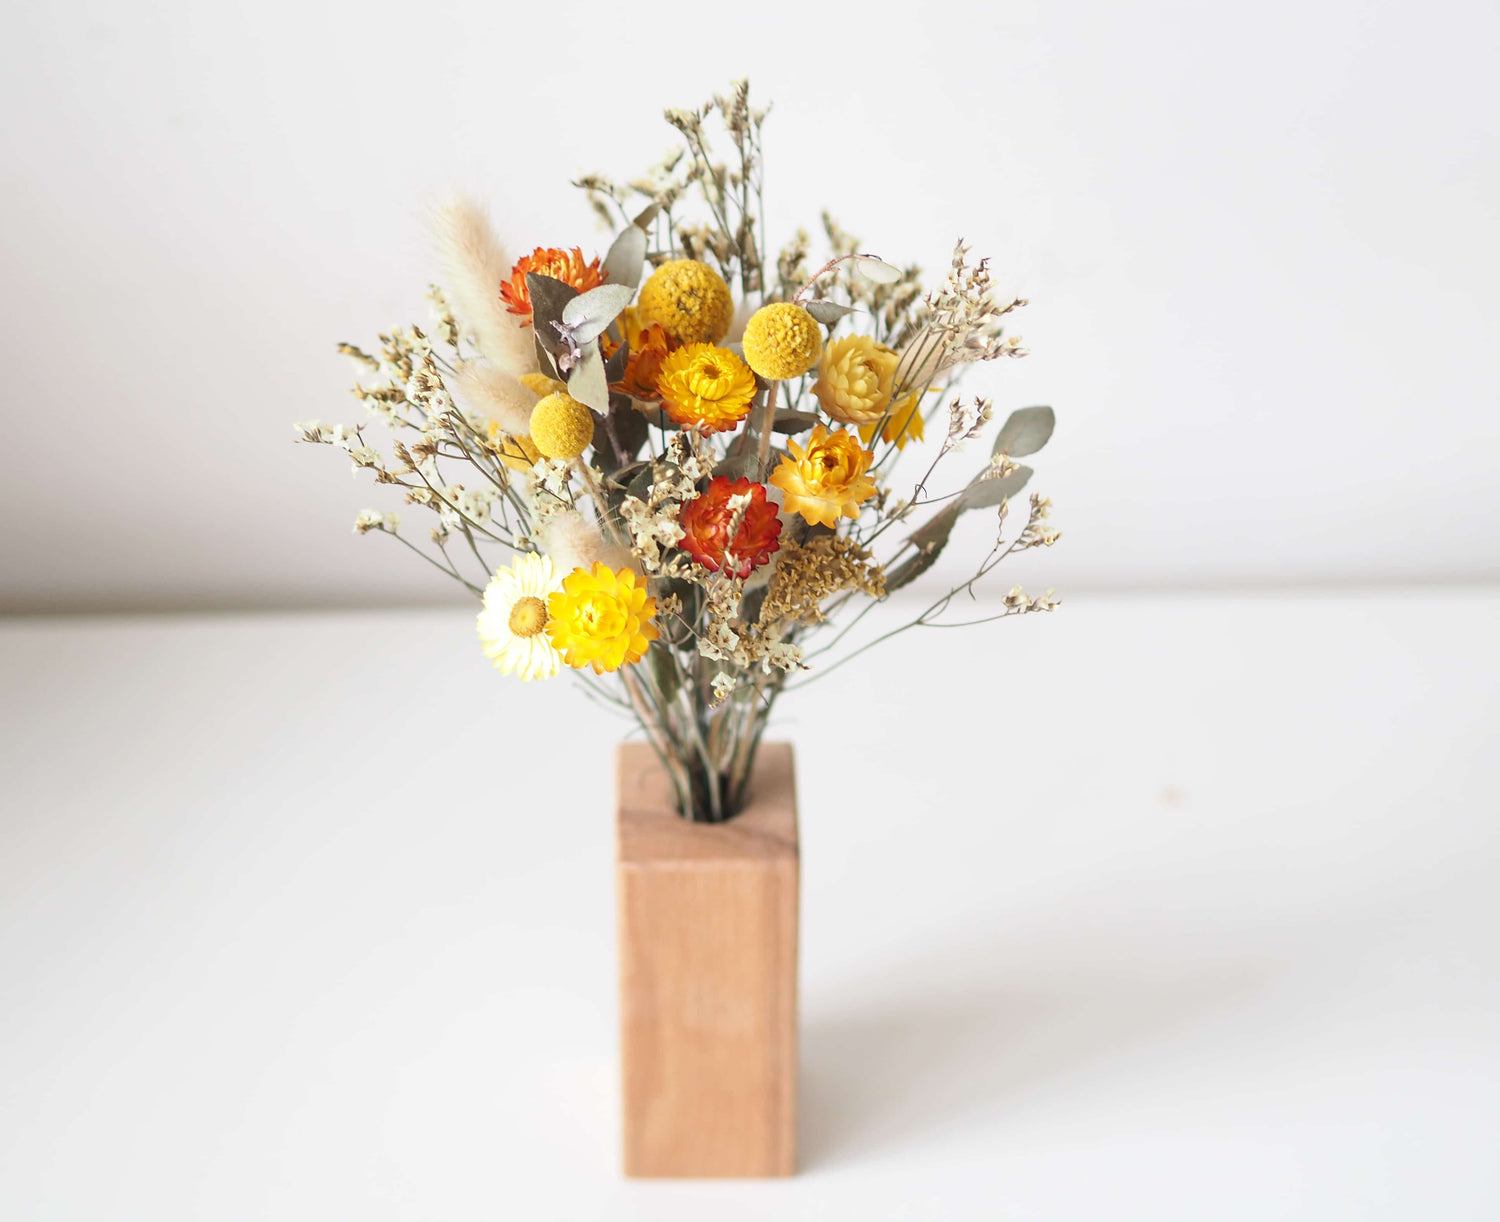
(782,340)
(601,618)
(706,521)
(690,300)
(825,480)
(561,427)
(565,265)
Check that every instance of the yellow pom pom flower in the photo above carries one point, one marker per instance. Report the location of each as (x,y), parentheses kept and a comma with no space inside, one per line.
(690,300)
(705,388)
(512,626)
(561,427)
(855,379)
(902,425)
(782,340)
(825,480)
(601,618)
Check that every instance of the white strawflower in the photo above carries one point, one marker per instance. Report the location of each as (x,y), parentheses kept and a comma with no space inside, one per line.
(513,625)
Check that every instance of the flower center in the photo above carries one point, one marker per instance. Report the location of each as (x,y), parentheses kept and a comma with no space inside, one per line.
(528,616)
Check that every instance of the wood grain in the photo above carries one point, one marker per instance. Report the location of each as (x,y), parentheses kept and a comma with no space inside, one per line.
(708,976)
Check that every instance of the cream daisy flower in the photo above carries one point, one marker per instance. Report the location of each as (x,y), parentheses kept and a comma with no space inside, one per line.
(513,624)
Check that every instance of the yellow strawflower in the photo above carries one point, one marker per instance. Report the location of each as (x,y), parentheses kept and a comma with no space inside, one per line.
(513,622)
(517,453)
(782,340)
(706,388)
(601,618)
(690,300)
(540,384)
(561,427)
(902,425)
(855,379)
(825,480)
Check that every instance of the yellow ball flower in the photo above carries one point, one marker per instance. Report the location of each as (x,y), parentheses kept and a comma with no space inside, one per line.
(902,425)
(706,388)
(601,618)
(782,340)
(561,427)
(690,300)
(825,480)
(855,379)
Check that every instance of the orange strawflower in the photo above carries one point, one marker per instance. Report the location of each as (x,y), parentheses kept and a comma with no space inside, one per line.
(649,346)
(565,265)
(706,520)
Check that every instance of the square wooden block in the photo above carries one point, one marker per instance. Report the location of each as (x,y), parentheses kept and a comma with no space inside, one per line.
(708,975)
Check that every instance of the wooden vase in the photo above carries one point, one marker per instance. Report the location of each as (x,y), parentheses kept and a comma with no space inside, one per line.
(708,975)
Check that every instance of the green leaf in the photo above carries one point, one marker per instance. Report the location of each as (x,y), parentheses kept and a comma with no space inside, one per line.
(626,257)
(589,313)
(586,381)
(1025,431)
(993,491)
(828,312)
(788,421)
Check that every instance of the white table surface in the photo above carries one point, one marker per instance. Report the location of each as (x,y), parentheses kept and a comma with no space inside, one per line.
(1152,909)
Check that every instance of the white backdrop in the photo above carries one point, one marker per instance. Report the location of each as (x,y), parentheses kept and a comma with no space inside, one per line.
(1259,242)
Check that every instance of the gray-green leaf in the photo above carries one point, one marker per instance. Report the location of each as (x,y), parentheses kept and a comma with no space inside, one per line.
(588,314)
(993,491)
(626,258)
(1025,431)
(793,422)
(828,312)
(586,380)
(548,299)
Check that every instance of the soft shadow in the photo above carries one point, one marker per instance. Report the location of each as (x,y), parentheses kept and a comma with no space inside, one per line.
(927,1061)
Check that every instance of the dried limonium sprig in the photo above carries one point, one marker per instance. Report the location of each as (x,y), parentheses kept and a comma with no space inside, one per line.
(684,472)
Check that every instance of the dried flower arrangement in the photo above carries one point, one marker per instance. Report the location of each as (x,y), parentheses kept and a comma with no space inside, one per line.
(692,473)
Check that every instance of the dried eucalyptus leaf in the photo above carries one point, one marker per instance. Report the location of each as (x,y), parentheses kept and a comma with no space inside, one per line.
(1025,431)
(739,466)
(626,258)
(586,381)
(872,267)
(614,368)
(933,536)
(548,299)
(993,491)
(910,569)
(544,361)
(664,668)
(788,421)
(646,215)
(589,313)
(828,312)
(640,483)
